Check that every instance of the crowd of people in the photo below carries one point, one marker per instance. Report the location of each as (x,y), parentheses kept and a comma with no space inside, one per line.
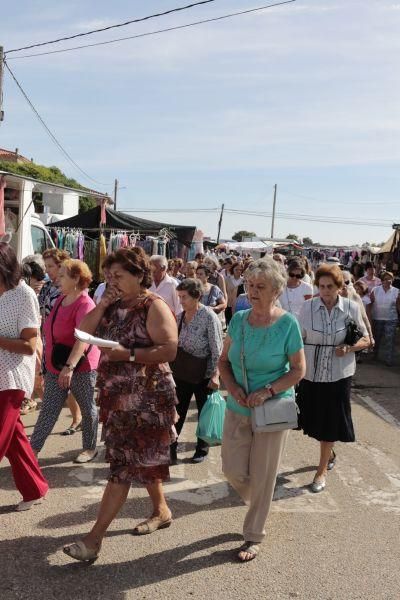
(269,328)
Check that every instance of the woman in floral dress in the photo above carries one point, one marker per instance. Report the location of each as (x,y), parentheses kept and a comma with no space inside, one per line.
(137,394)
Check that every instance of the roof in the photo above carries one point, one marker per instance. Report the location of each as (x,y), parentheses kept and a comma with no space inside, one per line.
(90,220)
(47,185)
(12,155)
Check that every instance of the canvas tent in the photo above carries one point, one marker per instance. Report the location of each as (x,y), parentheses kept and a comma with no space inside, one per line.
(89,221)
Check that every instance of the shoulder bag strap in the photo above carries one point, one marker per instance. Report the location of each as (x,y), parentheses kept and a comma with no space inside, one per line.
(56,307)
(181,323)
(242,363)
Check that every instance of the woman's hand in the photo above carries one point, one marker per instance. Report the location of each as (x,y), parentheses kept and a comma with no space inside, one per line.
(239,395)
(341,351)
(111,295)
(258,397)
(117,354)
(213,384)
(64,378)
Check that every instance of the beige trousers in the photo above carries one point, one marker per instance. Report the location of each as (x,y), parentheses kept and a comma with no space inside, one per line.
(250,462)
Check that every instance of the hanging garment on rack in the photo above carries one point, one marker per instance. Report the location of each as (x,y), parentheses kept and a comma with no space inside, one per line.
(91,252)
(102,251)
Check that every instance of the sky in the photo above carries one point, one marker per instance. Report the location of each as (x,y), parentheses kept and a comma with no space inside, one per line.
(305,96)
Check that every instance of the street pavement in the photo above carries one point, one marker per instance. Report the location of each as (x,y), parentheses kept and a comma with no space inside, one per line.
(342,544)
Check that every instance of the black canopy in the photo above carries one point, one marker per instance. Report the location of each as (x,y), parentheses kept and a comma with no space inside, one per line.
(118,220)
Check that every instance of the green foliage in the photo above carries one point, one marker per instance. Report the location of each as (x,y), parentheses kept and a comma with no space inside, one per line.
(292,236)
(307,241)
(239,235)
(86,203)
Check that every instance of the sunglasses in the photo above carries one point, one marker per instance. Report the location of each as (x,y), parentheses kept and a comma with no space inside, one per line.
(297,275)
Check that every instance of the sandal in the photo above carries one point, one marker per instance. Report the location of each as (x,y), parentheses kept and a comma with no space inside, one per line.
(251,548)
(79,551)
(71,429)
(151,525)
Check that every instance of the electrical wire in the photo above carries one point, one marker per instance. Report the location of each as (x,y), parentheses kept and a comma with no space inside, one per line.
(50,133)
(156,32)
(312,218)
(281,215)
(124,24)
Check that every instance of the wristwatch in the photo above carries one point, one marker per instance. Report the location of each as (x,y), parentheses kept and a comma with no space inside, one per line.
(132,357)
(69,366)
(270,389)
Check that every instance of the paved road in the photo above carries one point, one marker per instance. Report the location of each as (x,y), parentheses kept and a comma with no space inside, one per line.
(342,544)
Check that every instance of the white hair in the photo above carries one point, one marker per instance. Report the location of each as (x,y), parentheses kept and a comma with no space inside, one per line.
(270,270)
(159,260)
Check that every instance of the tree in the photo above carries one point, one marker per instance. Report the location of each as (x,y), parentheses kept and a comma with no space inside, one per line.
(86,203)
(239,235)
(292,236)
(307,241)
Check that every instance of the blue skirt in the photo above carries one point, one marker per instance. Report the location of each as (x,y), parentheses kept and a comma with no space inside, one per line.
(325,410)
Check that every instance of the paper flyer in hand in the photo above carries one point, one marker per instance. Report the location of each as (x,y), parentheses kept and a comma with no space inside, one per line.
(82,336)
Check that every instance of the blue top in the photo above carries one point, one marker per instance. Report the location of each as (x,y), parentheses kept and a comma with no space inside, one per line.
(266,350)
(213,297)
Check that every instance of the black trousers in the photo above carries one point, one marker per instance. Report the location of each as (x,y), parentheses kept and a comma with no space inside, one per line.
(184,392)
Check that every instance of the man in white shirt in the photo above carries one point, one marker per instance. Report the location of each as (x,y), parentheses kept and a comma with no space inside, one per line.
(164,285)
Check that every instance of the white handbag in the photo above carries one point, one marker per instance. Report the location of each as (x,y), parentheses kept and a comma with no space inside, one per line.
(276,414)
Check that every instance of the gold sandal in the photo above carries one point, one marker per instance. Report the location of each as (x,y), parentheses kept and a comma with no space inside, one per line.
(151,525)
(79,551)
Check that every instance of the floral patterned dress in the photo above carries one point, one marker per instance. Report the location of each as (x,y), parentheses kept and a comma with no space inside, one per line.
(137,401)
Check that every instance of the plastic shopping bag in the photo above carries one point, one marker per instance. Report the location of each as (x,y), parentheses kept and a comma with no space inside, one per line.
(211,421)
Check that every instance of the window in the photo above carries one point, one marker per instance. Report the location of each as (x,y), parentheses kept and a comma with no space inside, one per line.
(38,240)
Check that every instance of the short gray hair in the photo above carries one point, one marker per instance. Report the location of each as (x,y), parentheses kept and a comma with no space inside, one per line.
(192,286)
(36,258)
(160,260)
(270,270)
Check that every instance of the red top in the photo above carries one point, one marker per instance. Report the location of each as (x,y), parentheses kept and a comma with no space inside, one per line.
(67,319)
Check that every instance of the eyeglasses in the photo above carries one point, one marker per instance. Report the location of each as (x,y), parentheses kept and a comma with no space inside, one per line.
(297,275)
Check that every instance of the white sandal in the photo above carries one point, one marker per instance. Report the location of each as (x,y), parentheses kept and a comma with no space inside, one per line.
(79,551)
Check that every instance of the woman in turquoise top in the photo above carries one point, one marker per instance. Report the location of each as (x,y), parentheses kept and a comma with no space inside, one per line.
(274,362)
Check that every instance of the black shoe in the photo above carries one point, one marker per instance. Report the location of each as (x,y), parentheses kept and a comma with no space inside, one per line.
(198,457)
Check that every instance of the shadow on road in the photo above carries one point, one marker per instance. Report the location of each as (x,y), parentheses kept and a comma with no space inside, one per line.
(111,581)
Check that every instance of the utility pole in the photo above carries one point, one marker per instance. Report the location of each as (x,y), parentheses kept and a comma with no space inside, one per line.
(220,222)
(1,82)
(273,213)
(115,193)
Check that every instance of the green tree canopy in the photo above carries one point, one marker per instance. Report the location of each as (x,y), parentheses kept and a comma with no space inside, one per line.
(239,235)
(307,241)
(292,236)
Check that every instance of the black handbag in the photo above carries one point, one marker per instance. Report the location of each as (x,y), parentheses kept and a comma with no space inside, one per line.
(353,334)
(187,367)
(60,352)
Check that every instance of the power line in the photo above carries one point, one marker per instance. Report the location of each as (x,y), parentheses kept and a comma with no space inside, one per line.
(138,20)
(49,132)
(156,32)
(313,218)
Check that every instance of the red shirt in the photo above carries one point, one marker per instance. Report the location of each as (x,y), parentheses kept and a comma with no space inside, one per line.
(67,319)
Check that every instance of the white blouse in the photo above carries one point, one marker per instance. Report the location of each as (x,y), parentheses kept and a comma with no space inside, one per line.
(322,332)
(19,309)
(384,308)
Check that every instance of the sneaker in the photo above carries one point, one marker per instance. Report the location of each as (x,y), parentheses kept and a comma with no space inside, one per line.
(86,456)
(23,505)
